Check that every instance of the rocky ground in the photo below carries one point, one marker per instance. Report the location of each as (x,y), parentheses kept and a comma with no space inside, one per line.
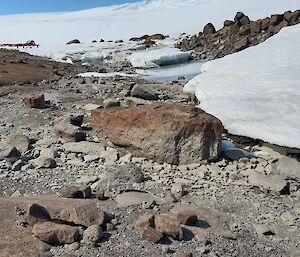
(243,203)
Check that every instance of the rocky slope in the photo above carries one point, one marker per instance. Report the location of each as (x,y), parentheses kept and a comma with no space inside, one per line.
(236,35)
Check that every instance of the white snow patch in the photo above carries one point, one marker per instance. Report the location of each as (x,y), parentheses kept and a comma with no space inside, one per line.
(256,92)
(158,57)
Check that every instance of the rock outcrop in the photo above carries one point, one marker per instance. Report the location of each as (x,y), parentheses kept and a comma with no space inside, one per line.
(174,134)
(236,35)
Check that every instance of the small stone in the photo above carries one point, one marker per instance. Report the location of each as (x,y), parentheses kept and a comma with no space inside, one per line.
(151,235)
(37,214)
(100,195)
(184,254)
(143,92)
(177,190)
(168,225)
(86,215)
(92,235)
(35,101)
(45,163)
(72,247)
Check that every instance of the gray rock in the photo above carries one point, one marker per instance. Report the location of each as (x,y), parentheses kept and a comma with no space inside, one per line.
(9,152)
(44,162)
(143,92)
(274,183)
(49,153)
(288,167)
(92,235)
(18,141)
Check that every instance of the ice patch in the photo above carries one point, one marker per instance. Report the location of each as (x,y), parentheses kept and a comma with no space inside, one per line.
(158,57)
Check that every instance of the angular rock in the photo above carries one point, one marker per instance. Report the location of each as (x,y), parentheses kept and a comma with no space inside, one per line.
(228,23)
(9,152)
(37,214)
(238,16)
(255,27)
(276,19)
(86,215)
(245,30)
(244,21)
(108,103)
(177,190)
(20,142)
(288,167)
(151,235)
(146,220)
(274,183)
(92,235)
(143,92)
(280,26)
(168,225)
(45,163)
(35,101)
(170,133)
(209,29)
(241,44)
(55,234)
(263,230)
(68,128)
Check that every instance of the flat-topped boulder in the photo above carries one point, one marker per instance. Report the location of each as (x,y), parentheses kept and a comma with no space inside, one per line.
(166,133)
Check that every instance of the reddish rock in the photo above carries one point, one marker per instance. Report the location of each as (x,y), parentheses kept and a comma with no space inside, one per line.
(86,215)
(151,235)
(35,101)
(168,133)
(55,234)
(37,214)
(146,220)
(92,235)
(168,225)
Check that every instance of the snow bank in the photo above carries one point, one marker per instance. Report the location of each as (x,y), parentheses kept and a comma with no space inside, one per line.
(158,57)
(256,92)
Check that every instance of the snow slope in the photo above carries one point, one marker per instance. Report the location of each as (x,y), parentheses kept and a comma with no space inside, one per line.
(256,92)
(135,19)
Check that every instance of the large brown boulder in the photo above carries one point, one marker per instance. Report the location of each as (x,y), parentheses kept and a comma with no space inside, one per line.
(171,133)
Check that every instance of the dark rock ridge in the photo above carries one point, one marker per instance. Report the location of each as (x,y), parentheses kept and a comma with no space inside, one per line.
(236,35)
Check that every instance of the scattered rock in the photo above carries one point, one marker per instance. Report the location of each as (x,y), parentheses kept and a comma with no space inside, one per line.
(55,234)
(20,142)
(288,167)
(146,220)
(168,225)
(35,101)
(151,235)
(45,163)
(143,92)
(274,183)
(209,29)
(37,214)
(85,215)
(263,230)
(186,216)
(92,235)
